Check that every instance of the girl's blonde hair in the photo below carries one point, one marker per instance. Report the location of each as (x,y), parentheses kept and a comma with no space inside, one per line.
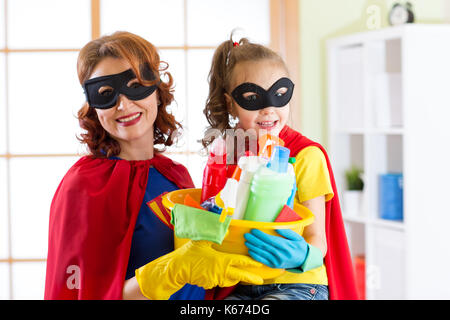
(227,55)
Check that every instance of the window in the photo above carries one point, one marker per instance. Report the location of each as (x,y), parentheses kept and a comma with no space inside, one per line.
(187,34)
(40,96)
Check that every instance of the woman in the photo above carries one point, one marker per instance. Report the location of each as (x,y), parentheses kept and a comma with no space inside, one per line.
(109,235)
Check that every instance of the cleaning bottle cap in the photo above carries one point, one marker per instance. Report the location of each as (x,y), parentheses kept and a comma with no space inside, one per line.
(279,160)
(237,173)
(291,160)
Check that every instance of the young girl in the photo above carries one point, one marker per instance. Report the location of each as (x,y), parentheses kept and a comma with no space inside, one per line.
(249,85)
(109,234)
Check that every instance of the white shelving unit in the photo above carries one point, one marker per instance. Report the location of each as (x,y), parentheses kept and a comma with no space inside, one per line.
(389,111)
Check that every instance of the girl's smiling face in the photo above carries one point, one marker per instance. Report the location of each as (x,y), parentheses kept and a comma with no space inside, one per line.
(264,73)
(129,122)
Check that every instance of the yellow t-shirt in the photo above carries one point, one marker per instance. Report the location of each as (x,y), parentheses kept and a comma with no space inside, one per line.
(313,180)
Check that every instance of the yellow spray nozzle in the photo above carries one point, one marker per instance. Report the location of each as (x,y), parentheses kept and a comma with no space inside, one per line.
(226,212)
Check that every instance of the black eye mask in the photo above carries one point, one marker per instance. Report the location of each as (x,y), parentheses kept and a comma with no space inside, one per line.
(117,84)
(262,98)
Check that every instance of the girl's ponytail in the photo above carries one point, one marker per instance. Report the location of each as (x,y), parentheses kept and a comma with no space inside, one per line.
(215,111)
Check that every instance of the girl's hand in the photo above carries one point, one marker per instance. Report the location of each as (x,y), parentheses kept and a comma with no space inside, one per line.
(286,252)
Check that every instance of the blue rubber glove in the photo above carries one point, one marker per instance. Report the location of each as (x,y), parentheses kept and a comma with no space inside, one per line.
(286,252)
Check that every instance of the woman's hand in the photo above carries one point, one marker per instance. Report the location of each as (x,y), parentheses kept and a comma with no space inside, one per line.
(195,263)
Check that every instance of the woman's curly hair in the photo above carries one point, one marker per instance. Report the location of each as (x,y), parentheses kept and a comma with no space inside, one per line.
(138,52)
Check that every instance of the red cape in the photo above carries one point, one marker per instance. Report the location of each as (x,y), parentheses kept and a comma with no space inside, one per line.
(338,263)
(92,219)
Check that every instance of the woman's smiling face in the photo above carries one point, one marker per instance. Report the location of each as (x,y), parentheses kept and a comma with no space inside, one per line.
(128,121)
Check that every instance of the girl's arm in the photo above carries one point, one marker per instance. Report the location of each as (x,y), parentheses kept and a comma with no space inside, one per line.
(131,290)
(315,234)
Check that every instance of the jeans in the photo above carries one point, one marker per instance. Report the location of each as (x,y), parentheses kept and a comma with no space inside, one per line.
(280,291)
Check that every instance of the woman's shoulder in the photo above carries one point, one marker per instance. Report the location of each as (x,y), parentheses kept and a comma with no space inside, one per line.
(87,169)
(169,162)
(174,170)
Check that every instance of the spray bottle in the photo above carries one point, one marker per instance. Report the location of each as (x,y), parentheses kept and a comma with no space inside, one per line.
(247,166)
(282,163)
(215,172)
(271,188)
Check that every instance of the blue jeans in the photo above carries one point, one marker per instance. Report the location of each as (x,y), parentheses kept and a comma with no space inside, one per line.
(280,291)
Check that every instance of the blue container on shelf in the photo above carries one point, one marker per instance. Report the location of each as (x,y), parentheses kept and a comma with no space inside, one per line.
(391,196)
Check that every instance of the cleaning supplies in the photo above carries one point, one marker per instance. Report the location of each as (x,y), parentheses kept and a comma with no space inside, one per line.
(190,202)
(238,170)
(290,202)
(227,197)
(211,206)
(266,143)
(287,215)
(247,166)
(197,224)
(269,192)
(279,159)
(259,187)
(281,162)
(215,172)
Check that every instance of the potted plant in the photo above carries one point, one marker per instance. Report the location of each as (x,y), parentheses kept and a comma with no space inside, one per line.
(353,193)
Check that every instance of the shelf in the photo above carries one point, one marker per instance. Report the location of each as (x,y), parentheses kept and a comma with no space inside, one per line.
(362,131)
(358,39)
(357,219)
(391,224)
(349,131)
(387,131)
(387,101)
